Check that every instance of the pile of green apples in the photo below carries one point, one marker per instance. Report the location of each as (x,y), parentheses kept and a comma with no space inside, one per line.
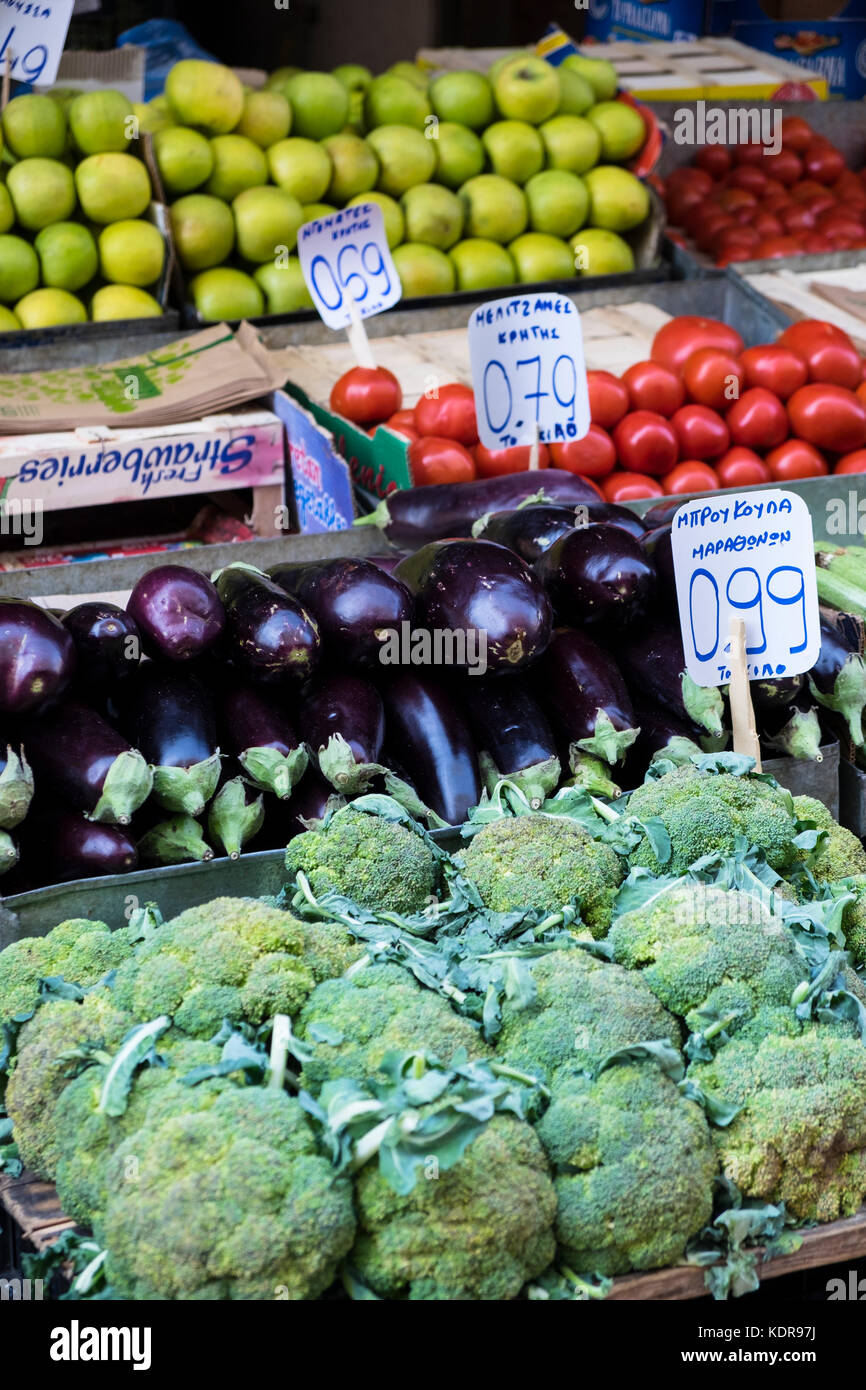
(75,244)
(484,180)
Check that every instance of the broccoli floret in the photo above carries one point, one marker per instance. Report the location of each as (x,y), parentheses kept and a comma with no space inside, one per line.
(704,948)
(354,1022)
(584,1010)
(480,1230)
(378,863)
(840,855)
(45,1062)
(800,1137)
(543,862)
(635,1165)
(705,813)
(232,1202)
(80,950)
(854,920)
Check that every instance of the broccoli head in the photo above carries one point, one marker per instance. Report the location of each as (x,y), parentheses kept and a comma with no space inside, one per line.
(800,1137)
(854,920)
(479,1230)
(705,948)
(543,862)
(80,950)
(584,1009)
(635,1165)
(706,812)
(840,855)
(231,1202)
(378,863)
(354,1022)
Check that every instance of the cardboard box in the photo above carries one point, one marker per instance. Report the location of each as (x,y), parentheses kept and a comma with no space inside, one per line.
(675,21)
(821,36)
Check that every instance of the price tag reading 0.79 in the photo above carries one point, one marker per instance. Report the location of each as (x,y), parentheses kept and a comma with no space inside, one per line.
(347,265)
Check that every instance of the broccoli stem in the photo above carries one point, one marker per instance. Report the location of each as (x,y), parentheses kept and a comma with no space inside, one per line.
(279,1054)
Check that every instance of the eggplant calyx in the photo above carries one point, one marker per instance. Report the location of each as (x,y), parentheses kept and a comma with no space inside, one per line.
(16,789)
(177,840)
(127,786)
(608,743)
(537,782)
(848,696)
(231,821)
(187,790)
(8,852)
(338,766)
(411,801)
(275,772)
(380,516)
(593,774)
(703,704)
(678,750)
(800,737)
(238,565)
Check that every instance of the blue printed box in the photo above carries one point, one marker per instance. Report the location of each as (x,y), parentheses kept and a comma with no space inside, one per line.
(673,20)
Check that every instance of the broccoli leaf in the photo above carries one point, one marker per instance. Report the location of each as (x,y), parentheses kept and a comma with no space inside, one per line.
(136,1049)
(662,1052)
(725,1248)
(563,1285)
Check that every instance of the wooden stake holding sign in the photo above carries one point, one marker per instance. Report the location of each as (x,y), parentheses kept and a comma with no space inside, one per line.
(743,727)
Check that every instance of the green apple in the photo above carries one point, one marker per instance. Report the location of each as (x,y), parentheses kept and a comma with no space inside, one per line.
(266,223)
(225,293)
(238,163)
(463,97)
(34,126)
(204,230)
(621,130)
(354,166)
(527,89)
(496,67)
(391,100)
(319,102)
(19,268)
(617,200)
(151,117)
(571,143)
(558,202)
(598,72)
(111,187)
(405,158)
(433,215)
(43,191)
(277,80)
(184,159)
(205,94)
(266,118)
(354,77)
(538,257)
(300,167)
(67,255)
(100,121)
(392,214)
(410,72)
(423,270)
(7,211)
(459,154)
(577,96)
(9,322)
(482,265)
(131,253)
(48,308)
(283,286)
(314,212)
(113,302)
(598,252)
(496,209)
(515,150)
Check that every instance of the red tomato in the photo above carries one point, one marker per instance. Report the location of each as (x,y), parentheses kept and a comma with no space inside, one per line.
(402,422)
(654,387)
(690,476)
(713,377)
(795,459)
(646,442)
(785,166)
(830,417)
(773,188)
(827,350)
(806,189)
(366,395)
(822,162)
(797,134)
(776,368)
(852,463)
(449,415)
(798,219)
(680,337)
(715,160)
(593,456)
(630,487)
(702,433)
(492,463)
(682,201)
(709,226)
(732,198)
(433,460)
(815,243)
(735,239)
(688,176)
(758,419)
(741,467)
(767,224)
(860,392)
(608,399)
(773,247)
(751,153)
(750,177)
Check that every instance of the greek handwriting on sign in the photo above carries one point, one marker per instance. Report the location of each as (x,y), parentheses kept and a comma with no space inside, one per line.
(347,265)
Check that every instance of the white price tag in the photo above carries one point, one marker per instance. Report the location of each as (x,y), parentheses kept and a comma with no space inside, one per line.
(347,265)
(752,557)
(34,35)
(528,371)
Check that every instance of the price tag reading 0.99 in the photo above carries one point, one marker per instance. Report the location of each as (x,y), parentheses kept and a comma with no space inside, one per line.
(347,265)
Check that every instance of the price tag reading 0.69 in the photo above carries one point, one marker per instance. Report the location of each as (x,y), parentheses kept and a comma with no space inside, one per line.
(347,265)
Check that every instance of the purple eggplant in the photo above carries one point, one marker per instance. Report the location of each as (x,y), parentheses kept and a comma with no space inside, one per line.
(660,734)
(262,739)
(434,744)
(87,763)
(355,604)
(271,636)
(598,576)
(480,596)
(37,657)
(76,847)
(16,787)
(412,516)
(178,612)
(513,736)
(662,513)
(530,531)
(775,694)
(657,548)
(342,719)
(170,717)
(107,643)
(652,660)
(581,686)
(386,563)
(838,680)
